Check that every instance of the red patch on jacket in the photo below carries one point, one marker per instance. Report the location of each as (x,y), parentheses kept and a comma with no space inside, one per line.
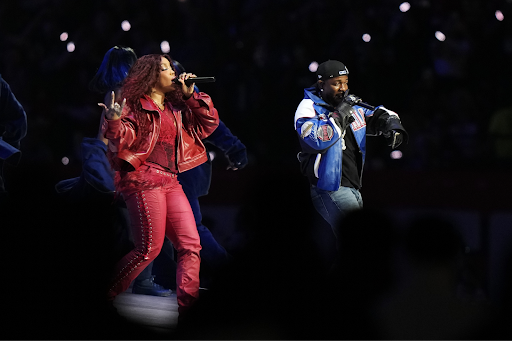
(324,133)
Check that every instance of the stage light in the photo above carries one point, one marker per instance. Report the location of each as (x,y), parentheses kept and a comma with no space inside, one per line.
(313,66)
(367,37)
(499,15)
(405,6)
(165,47)
(125,25)
(64,36)
(440,36)
(65,161)
(396,155)
(71,46)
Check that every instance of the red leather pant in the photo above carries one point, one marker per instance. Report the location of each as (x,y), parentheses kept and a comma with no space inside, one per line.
(154,214)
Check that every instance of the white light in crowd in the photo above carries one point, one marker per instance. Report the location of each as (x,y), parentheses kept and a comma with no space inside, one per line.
(440,36)
(165,47)
(64,36)
(125,25)
(313,66)
(212,155)
(396,154)
(499,15)
(71,46)
(367,37)
(405,6)
(65,161)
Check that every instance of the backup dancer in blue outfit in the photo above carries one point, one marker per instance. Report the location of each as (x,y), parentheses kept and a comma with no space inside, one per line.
(13,128)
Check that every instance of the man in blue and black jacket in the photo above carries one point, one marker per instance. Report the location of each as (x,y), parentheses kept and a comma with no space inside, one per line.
(332,127)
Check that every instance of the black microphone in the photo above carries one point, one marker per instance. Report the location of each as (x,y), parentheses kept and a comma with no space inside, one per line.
(195,80)
(354,100)
(366,105)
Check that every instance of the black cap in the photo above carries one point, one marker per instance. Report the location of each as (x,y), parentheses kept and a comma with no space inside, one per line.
(331,69)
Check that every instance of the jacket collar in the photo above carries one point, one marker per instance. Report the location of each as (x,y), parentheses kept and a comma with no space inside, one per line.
(311,94)
(148,104)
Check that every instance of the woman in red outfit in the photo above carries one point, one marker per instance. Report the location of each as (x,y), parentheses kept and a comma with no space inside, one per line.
(153,134)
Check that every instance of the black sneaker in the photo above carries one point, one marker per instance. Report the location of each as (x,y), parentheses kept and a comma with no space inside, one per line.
(149,287)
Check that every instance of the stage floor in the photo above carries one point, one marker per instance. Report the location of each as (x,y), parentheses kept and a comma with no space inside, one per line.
(157,314)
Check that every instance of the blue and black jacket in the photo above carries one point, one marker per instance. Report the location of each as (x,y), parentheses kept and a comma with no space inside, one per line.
(322,139)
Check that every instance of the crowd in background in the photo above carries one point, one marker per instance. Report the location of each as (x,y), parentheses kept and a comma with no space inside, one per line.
(448,93)
(451,95)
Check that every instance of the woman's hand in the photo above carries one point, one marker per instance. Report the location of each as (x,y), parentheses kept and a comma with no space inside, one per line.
(113,112)
(187,90)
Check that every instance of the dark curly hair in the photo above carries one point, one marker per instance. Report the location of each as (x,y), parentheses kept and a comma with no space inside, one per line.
(140,81)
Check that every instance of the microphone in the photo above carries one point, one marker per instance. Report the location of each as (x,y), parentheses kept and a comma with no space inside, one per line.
(354,100)
(366,105)
(195,80)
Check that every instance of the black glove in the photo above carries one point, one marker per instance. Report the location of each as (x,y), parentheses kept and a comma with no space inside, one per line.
(237,160)
(343,112)
(394,138)
(391,128)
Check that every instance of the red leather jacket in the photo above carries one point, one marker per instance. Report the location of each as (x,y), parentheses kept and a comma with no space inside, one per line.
(191,152)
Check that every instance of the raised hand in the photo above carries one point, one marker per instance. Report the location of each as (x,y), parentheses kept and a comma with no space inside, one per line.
(113,112)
